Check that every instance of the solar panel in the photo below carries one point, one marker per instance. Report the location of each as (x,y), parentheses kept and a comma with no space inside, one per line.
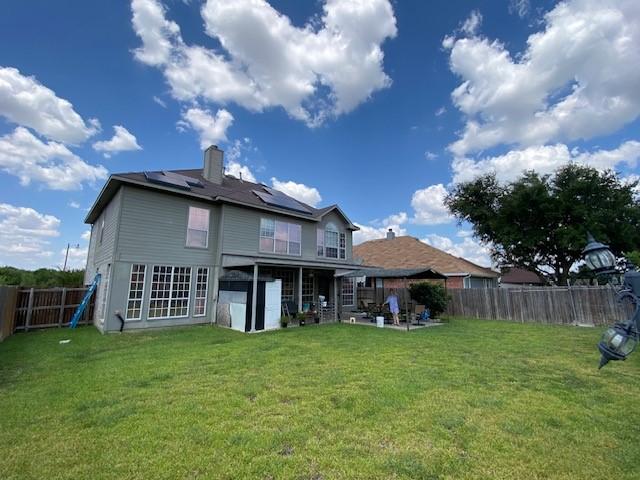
(162,179)
(194,182)
(279,199)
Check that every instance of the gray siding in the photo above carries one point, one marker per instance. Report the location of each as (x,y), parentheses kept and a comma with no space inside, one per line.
(480,282)
(241,233)
(102,252)
(154,229)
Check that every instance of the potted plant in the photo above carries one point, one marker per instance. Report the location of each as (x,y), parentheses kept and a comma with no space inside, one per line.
(284,321)
(301,318)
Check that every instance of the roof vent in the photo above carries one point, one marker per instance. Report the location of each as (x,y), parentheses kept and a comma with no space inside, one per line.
(390,234)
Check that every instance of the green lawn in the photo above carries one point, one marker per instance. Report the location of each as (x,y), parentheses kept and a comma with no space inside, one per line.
(470,399)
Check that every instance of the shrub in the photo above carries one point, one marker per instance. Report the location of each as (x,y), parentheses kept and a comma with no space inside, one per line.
(432,295)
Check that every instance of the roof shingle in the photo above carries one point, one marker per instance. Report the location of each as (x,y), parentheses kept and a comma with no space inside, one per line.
(409,252)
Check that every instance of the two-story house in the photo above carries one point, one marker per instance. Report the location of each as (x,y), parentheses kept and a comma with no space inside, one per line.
(164,243)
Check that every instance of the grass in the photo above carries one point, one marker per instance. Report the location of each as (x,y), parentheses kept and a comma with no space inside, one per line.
(467,400)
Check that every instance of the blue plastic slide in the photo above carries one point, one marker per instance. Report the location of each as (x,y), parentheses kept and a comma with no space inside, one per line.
(85,302)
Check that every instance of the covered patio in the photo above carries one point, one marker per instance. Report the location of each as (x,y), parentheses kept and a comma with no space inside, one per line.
(372,305)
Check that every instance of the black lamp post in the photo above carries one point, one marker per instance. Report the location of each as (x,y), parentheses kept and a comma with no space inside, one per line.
(621,339)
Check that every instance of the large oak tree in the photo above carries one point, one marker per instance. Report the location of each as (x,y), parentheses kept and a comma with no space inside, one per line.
(540,222)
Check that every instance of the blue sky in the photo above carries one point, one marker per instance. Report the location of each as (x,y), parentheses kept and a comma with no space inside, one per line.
(379,107)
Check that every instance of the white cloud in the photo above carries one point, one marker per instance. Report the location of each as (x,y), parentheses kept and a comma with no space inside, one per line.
(395,219)
(122,141)
(74,204)
(299,191)
(544,159)
(367,232)
(236,169)
(159,101)
(577,78)
(430,155)
(519,7)
(440,111)
(86,235)
(28,158)
(328,67)
(467,248)
(472,24)
(25,101)
(238,148)
(212,129)
(429,207)
(25,234)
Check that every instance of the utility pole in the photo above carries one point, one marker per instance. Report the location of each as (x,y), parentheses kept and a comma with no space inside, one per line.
(66,257)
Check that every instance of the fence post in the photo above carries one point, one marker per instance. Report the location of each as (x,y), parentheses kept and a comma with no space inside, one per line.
(573,306)
(8,298)
(63,299)
(29,310)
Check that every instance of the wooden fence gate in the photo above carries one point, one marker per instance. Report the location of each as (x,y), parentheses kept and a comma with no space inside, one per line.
(50,307)
(558,305)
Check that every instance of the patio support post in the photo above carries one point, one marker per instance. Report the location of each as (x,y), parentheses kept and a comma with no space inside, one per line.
(406,306)
(335,298)
(254,298)
(300,289)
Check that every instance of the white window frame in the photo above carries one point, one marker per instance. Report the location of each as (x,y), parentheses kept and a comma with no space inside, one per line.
(323,235)
(170,297)
(141,299)
(346,281)
(206,238)
(320,242)
(206,292)
(275,229)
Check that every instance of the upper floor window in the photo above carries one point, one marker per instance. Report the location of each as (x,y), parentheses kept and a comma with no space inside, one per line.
(198,227)
(280,237)
(331,242)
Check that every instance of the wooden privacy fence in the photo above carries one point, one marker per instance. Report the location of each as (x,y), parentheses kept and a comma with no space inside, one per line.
(8,297)
(50,307)
(558,305)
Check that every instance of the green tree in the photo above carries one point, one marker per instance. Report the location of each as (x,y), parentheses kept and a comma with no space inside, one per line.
(634,257)
(540,222)
(431,295)
(41,278)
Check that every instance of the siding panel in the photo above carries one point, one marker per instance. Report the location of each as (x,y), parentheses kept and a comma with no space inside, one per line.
(154,228)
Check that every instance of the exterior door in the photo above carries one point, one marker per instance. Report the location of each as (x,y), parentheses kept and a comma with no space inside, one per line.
(272,304)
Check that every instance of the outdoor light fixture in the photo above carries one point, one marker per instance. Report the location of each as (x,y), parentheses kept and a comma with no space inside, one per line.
(620,340)
(598,256)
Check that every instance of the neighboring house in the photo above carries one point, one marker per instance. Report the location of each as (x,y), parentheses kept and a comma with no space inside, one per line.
(162,242)
(519,277)
(410,253)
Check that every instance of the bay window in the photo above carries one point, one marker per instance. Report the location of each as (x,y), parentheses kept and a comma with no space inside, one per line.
(170,290)
(136,292)
(202,287)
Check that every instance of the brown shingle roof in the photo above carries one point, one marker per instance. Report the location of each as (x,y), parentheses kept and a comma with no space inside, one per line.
(231,190)
(409,252)
(521,276)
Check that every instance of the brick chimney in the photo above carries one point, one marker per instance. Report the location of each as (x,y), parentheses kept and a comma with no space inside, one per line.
(213,164)
(390,234)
